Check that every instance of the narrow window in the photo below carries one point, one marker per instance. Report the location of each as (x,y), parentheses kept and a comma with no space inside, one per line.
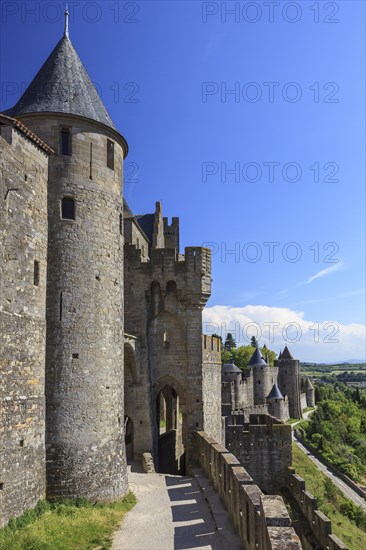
(143,250)
(68,208)
(166,340)
(121,224)
(65,141)
(1,486)
(21,443)
(60,306)
(91,162)
(36,273)
(138,243)
(110,154)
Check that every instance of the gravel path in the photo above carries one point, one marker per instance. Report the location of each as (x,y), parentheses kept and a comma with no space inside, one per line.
(171,514)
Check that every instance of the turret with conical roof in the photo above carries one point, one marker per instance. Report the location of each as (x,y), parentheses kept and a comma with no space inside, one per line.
(286,354)
(62,85)
(277,405)
(262,377)
(231,379)
(84,356)
(310,393)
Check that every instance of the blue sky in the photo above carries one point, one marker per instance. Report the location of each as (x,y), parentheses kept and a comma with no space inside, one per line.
(279,160)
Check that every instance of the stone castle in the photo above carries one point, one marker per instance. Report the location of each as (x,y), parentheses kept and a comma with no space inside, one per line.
(101,323)
(274,390)
(102,354)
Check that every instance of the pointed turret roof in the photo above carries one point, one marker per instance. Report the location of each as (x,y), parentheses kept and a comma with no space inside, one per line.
(231,367)
(62,85)
(308,384)
(257,359)
(286,354)
(275,393)
(280,354)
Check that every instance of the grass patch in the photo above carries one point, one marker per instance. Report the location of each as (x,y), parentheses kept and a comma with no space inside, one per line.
(292,420)
(68,525)
(331,501)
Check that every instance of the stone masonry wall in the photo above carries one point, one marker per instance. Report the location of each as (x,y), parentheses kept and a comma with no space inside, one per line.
(263,447)
(211,381)
(261,521)
(168,325)
(320,525)
(23,241)
(84,360)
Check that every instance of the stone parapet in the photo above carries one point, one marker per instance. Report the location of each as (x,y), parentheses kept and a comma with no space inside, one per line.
(261,521)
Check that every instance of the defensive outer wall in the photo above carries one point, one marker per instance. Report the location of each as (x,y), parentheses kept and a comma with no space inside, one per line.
(23,267)
(262,521)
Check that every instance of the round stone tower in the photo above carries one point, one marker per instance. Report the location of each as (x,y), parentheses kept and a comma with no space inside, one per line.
(276,403)
(262,381)
(84,358)
(232,380)
(310,393)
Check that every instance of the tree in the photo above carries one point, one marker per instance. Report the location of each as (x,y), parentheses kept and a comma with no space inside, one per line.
(363,424)
(229,342)
(253,342)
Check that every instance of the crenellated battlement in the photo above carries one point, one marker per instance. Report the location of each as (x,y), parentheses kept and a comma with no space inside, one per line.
(190,271)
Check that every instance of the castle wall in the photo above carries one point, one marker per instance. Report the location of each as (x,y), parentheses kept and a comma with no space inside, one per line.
(303,402)
(310,397)
(84,359)
(319,523)
(23,238)
(168,324)
(261,521)
(248,390)
(263,447)
(211,390)
(171,233)
(134,235)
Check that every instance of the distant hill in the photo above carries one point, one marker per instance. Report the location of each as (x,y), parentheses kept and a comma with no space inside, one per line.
(346,362)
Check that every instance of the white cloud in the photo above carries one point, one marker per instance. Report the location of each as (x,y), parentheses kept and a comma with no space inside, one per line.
(324,272)
(320,340)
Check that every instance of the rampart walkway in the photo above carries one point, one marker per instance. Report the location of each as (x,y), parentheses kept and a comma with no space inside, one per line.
(171,514)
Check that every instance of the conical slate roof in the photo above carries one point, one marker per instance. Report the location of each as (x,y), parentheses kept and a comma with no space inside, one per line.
(257,359)
(308,384)
(230,367)
(62,85)
(275,393)
(286,354)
